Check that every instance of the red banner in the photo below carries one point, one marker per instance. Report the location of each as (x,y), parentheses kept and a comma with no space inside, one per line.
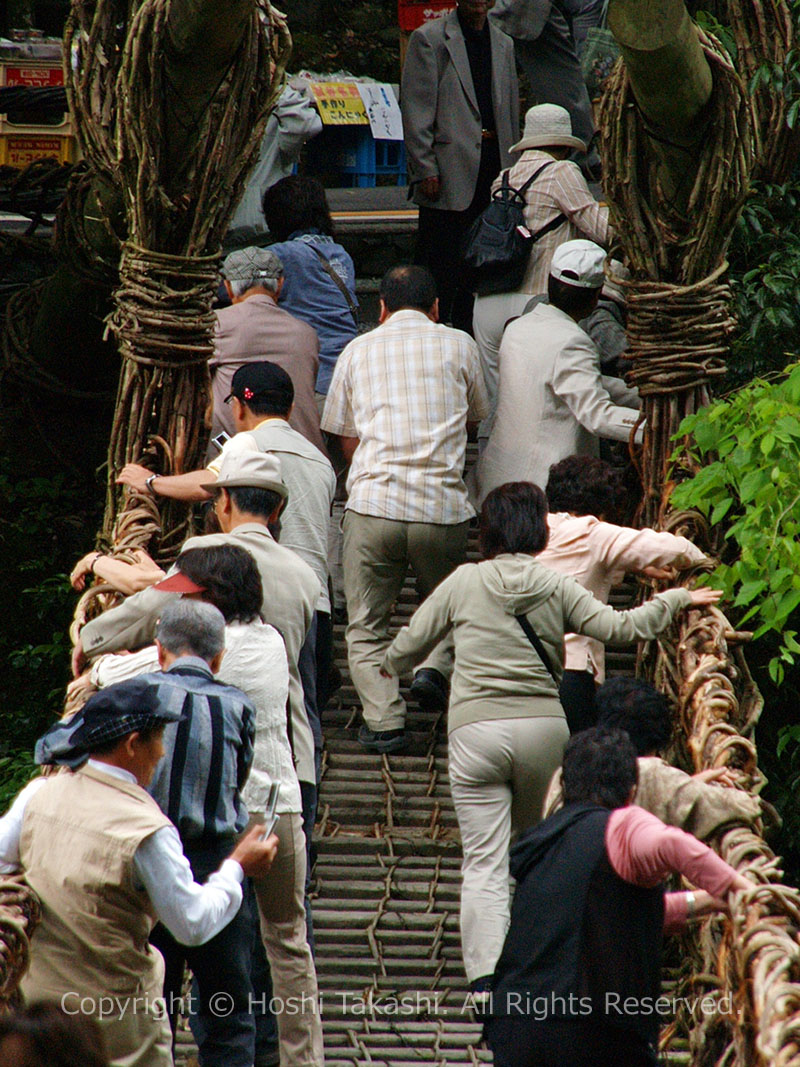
(34,77)
(413,13)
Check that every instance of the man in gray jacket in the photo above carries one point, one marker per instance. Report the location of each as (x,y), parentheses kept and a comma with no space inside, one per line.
(460,104)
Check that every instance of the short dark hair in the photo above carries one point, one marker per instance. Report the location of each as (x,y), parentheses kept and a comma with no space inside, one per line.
(514,519)
(296,203)
(573,300)
(253,501)
(231,579)
(270,404)
(599,768)
(408,286)
(56,1038)
(638,708)
(585,485)
(146,733)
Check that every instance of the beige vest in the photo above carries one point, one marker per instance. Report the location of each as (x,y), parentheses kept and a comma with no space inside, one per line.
(79,835)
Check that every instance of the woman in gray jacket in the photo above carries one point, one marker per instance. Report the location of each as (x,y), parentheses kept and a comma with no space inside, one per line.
(507,729)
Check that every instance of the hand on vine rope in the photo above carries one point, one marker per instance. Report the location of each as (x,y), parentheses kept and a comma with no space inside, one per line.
(704,596)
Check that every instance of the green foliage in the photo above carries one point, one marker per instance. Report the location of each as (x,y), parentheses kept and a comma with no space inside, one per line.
(43,529)
(765,277)
(361,37)
(15,772)
(711,24)
(753,483)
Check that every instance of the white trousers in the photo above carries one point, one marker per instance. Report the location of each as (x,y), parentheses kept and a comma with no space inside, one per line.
(489,318)
(499,773)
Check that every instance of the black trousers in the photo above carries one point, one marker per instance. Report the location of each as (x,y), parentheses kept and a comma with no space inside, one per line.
(226,1035)
(577,699)
(521,1041)
(440,238)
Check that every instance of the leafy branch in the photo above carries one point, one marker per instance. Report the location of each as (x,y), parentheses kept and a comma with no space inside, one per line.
(750,444)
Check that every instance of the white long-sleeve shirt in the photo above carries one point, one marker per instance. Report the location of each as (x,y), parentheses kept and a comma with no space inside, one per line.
(192,913)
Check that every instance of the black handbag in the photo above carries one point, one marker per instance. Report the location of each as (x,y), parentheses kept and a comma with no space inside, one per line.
(498,244)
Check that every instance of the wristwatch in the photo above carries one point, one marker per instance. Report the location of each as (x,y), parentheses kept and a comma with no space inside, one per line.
(149,483)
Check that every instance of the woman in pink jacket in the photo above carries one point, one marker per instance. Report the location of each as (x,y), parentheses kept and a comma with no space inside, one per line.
(582,492)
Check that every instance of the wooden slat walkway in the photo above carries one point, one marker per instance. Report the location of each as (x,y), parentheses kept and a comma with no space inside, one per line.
(386,891)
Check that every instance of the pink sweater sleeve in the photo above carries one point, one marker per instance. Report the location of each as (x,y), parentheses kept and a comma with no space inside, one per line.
(643,851)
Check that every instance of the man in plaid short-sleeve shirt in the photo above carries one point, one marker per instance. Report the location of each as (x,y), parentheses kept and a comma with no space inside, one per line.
(400,400)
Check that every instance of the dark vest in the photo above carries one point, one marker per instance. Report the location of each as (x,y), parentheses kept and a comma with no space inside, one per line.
(582,943)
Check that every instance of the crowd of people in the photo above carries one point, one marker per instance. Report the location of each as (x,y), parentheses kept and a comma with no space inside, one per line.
(173,822)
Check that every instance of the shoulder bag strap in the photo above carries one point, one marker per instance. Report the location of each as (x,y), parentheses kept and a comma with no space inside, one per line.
(554,223)
(326,266)
(530,633)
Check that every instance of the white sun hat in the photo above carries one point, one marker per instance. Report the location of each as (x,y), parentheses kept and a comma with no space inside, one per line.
(580,263)
(547,126)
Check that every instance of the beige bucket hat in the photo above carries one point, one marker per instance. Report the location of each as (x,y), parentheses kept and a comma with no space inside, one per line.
(547,126)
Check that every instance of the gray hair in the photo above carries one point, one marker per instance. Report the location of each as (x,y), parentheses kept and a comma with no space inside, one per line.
(191,627)
(250,268)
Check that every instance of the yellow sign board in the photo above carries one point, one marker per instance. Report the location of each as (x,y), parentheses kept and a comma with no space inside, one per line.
(340,104)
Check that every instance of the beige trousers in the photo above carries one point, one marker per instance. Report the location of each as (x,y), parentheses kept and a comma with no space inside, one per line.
(377,555)
(135,1028)
(281,906)
(499,773)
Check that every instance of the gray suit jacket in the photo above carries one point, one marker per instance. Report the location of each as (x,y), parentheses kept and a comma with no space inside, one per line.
(291,590)
(441,120)
(523,20)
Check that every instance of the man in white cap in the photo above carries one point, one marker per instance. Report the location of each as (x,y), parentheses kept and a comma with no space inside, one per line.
(559,206)
(553,401)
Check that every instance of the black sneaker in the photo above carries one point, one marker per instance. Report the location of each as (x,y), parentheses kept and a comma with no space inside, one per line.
(430,689)
(381,740)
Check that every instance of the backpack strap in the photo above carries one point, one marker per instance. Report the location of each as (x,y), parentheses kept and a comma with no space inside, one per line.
(532,636)
(508,192)
(523,189)
(553,224)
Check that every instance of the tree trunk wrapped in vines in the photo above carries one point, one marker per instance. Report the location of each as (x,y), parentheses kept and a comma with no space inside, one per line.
(180,161)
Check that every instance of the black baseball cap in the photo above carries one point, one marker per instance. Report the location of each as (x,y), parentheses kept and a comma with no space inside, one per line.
(260,380)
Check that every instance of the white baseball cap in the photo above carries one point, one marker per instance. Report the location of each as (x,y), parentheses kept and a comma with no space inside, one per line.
(579,263)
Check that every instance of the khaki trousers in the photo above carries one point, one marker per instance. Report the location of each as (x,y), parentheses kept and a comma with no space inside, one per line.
(377,555)
(281,906)
(499,773)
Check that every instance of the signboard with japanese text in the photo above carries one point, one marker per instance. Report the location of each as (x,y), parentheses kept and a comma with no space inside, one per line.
(383,111)
(31,75)
(339,104)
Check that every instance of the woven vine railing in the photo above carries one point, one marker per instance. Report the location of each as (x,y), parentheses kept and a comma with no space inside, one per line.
(19,915)
(679,329)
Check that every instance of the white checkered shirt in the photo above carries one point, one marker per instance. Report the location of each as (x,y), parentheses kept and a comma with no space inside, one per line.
(406,390)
